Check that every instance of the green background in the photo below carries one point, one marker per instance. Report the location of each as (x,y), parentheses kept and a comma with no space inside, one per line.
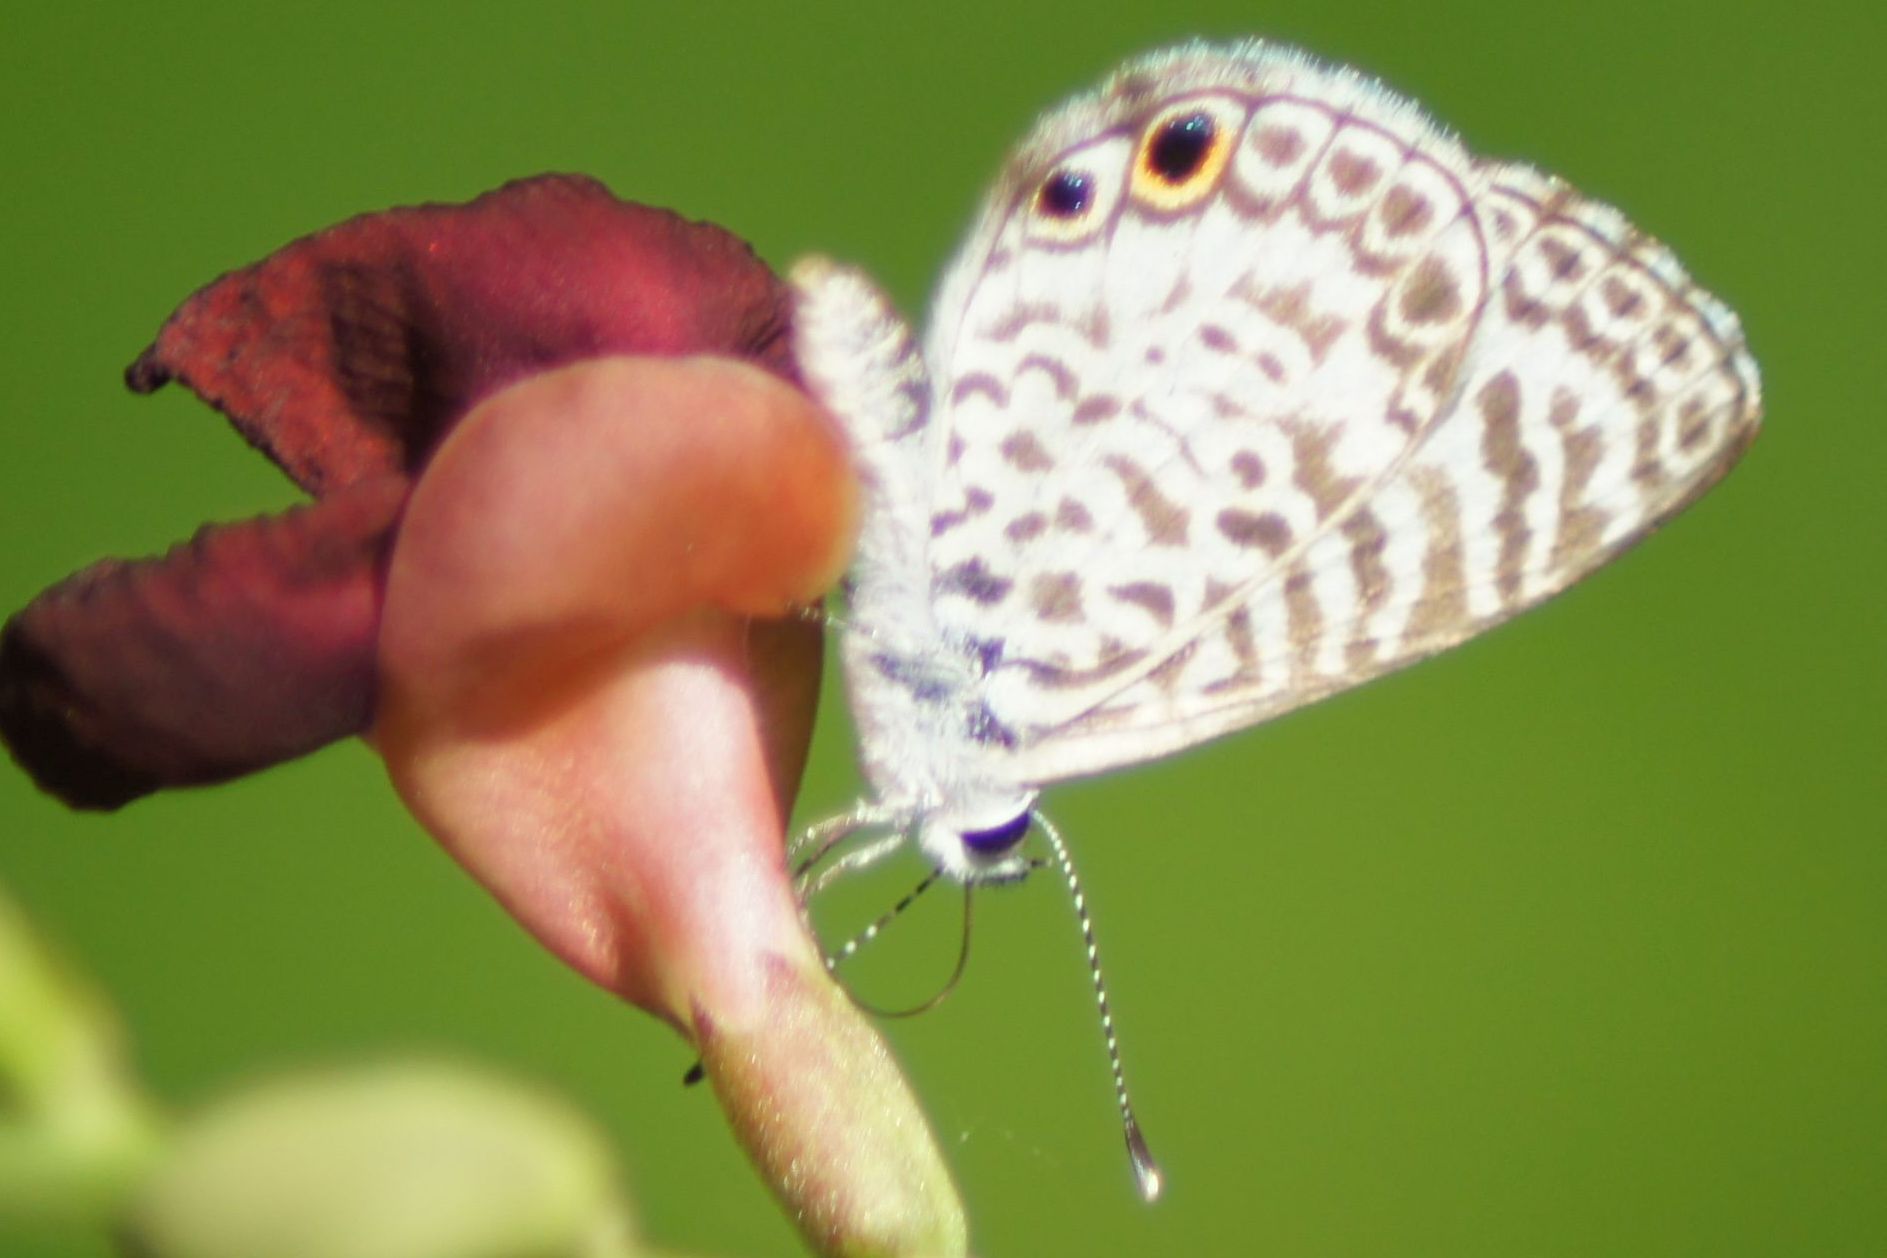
(1571,942)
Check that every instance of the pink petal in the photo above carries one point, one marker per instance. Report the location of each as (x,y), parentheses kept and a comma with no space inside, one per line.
(576,708)
(572,701)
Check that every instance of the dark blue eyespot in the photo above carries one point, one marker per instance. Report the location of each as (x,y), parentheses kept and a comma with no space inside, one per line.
(1066,194)
(997,839)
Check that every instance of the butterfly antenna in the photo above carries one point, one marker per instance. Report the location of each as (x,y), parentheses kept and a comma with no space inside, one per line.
(851,947)
(1146,1171)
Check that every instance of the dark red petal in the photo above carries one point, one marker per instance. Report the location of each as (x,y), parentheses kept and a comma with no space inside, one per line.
(252,643)
(346,354)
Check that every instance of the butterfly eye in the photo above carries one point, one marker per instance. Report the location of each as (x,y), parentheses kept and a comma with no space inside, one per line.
(1183,151)
(997,839)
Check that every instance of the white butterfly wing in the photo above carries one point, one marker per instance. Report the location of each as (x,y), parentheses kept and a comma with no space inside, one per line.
(1220,448)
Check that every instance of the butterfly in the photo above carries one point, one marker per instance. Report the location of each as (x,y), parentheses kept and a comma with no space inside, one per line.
(1250,384)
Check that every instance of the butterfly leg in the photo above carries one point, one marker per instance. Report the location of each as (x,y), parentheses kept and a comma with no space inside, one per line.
(812,844)
(862,857)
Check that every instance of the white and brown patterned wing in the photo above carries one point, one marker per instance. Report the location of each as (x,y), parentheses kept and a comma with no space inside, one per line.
(1602,393)
(1337,398)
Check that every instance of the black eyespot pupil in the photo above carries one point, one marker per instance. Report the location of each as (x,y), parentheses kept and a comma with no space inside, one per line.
(997,839)
(1181,146)
(1066,194)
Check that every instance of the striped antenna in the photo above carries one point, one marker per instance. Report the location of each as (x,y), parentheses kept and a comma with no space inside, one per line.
(851,947)
(1146,1171)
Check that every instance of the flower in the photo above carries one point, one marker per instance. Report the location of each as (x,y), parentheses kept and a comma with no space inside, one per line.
(567,498)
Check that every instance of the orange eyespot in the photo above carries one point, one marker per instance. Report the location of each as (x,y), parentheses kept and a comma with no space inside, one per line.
(1184,150)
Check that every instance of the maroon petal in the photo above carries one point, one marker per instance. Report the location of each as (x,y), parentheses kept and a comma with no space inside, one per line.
(346,354)
(252,643)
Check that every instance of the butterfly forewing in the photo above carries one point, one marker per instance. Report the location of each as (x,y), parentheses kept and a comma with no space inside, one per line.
(1208,455)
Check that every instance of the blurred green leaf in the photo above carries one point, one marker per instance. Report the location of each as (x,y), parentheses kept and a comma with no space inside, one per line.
(74,1130)
(402,1160)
